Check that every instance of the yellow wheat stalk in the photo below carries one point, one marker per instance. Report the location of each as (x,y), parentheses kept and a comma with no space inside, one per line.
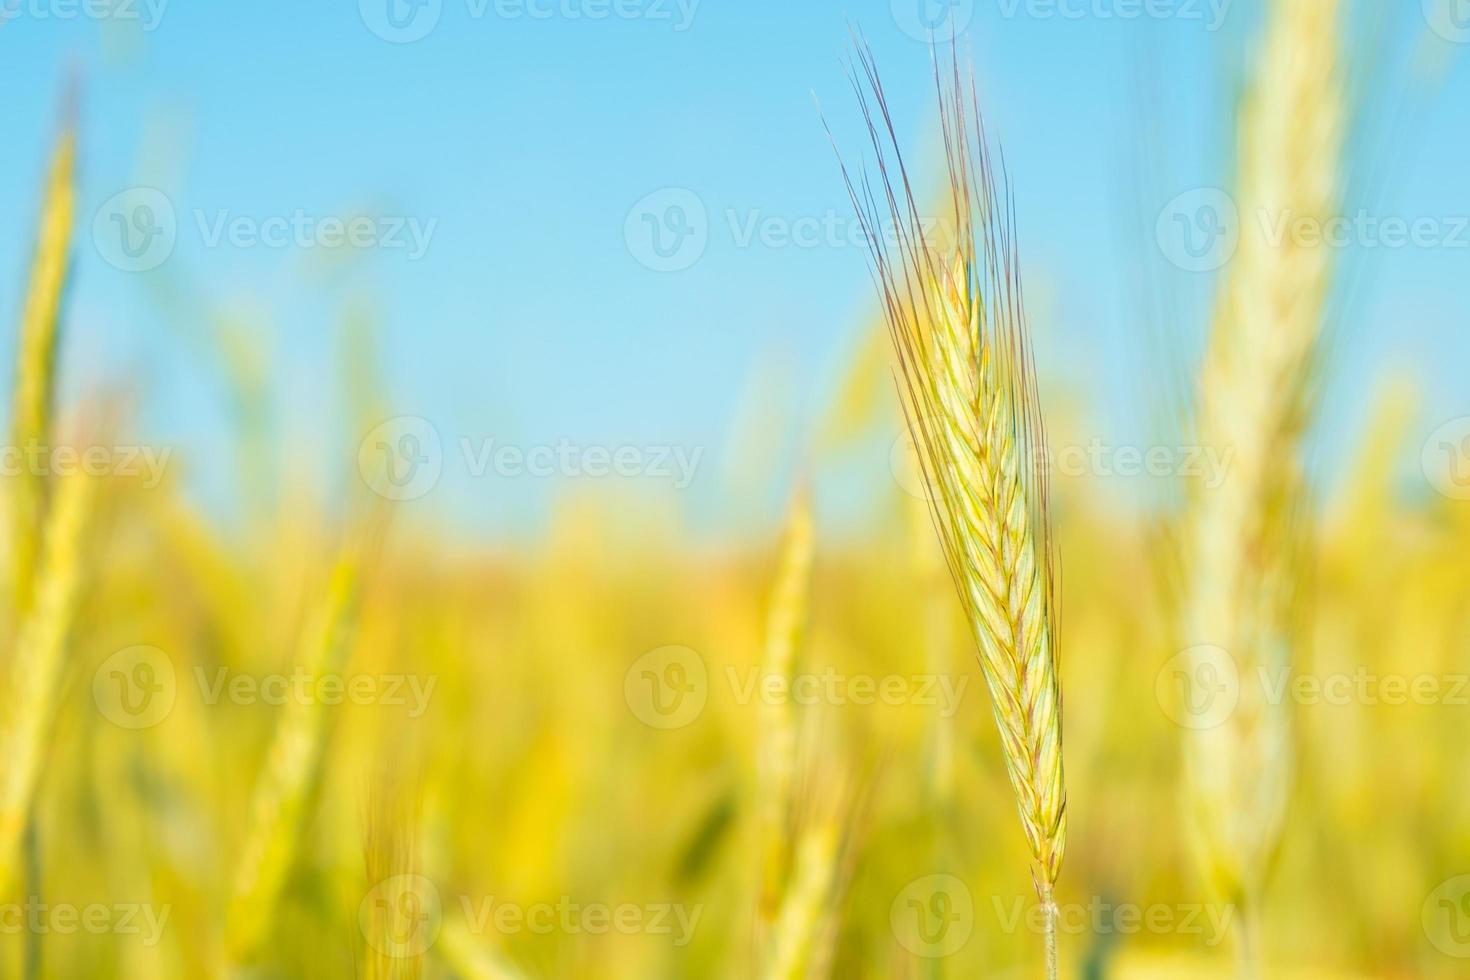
(1238,539)
(390,850)
(958,324)
(277,805)
(38,663)
(35,361)
(785,629)
(798,926)
(826,813)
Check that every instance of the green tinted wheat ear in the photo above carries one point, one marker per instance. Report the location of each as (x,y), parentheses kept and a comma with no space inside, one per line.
(1240,538)
(955,312)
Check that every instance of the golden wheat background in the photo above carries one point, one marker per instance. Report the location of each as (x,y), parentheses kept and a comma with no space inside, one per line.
(342,738)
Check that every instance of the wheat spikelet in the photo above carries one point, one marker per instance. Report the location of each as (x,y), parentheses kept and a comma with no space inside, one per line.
(1238,539)
(291,761)
(37,664)
(35,361)
(958,325)
(785,627)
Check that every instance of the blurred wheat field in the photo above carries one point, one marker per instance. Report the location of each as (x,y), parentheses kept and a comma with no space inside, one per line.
(344,739)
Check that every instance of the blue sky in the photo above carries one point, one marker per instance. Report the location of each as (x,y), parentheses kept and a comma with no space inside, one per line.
(522,142)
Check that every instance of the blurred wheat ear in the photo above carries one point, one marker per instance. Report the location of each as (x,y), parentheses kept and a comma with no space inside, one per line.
(279,800)
(955,312)
(785,629)
(1242,540)
(38,663)
(46,535)
(35,361)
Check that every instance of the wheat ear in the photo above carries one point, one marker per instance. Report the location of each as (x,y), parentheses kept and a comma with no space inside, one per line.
(38,663)
(969,393)
(1239,538)
(35,361)
(279,799)
(786,624)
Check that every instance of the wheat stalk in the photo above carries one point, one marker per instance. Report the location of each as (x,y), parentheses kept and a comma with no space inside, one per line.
(959,328)
(785,629)
(798,927)
(35,360)
(1238,539)
(279,798)
(37,665)
(389,851)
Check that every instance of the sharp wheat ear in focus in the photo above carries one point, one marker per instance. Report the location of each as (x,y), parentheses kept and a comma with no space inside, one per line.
(955,311)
